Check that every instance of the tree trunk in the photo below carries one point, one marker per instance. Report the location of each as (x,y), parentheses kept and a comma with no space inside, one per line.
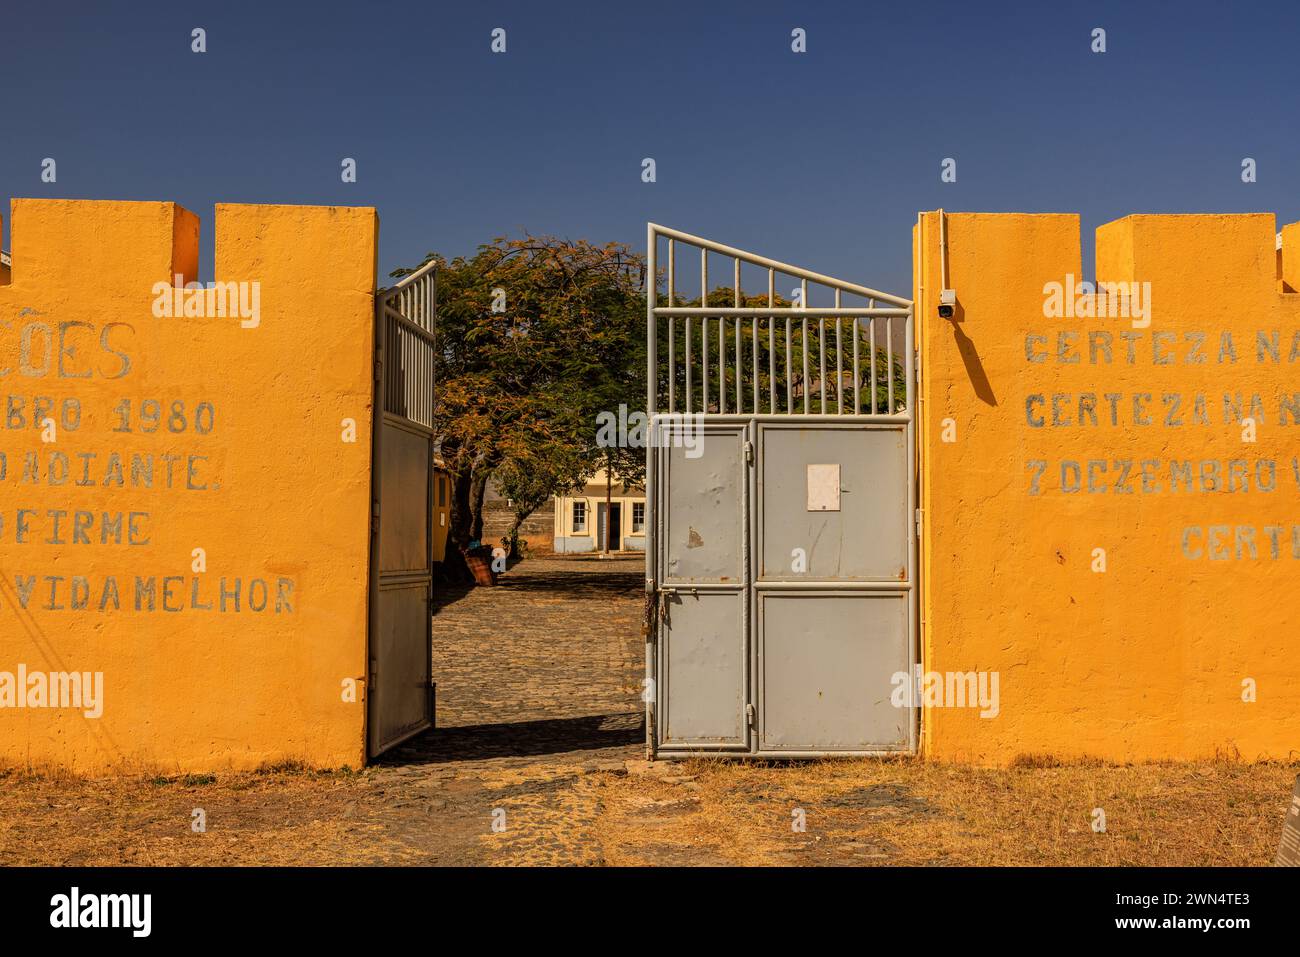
(512,536)
(454,567)
(478,489)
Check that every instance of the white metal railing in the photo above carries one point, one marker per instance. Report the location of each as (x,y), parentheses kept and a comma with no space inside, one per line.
(778,343)
(407,313)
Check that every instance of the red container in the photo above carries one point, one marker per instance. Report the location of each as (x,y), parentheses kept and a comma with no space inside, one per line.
(480,565)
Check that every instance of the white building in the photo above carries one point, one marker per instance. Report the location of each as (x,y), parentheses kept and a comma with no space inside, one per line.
(582,525)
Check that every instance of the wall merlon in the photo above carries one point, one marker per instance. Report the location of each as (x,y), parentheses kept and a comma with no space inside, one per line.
(1288,259)
(1226,260)
(120,245)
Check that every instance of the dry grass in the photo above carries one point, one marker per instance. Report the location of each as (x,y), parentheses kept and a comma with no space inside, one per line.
(896,812)
(909,812)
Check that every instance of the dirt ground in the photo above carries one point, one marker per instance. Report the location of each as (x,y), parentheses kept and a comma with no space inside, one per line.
(537,759)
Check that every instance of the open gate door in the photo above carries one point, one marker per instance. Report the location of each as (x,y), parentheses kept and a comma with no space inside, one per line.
(399,694)
(782,566)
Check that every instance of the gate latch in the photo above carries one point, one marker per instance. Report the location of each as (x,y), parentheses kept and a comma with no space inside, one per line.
(749,452)
(668,590)
(749,715)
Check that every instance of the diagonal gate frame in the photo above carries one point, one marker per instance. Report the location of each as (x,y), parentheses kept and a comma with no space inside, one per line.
(781,565)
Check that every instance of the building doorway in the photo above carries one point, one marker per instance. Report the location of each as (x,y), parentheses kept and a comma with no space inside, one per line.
(612,530)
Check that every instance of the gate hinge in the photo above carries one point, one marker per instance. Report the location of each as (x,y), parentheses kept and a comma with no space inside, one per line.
(749,715)
(918,523)
(749,452)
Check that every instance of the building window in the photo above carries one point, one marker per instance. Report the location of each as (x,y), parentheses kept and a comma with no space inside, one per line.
(442,491)
(579,516)
(638,517)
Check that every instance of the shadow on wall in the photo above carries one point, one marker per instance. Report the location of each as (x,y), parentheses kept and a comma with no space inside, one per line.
(970,357)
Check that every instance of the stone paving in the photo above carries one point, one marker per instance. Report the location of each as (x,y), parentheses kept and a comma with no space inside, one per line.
(539,697)
(556,644)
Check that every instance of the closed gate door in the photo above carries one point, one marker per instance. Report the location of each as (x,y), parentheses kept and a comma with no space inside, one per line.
(704,594)
(832,596)
(782,473)
(398,693)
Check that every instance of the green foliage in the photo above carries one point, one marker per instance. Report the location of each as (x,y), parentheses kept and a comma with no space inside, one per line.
(776,361)
(536,337)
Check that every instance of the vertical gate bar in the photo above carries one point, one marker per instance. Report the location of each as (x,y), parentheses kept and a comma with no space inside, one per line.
(839,362)
(424,364)
(413,370)
(739,377)
(672,271)
(419,354)
(704,329)
(433,388)
(807,397)
(910,360)
(914,553)
(723,329)
(739,361)
(704,364)
(427,641)
(857,370)
(722,369)
(672,364)
(789,370)
(689,384)
(753,358)
(821,358)
(889,373)
(871,346)
(803,323)
(722,365)
(652,391)
(771,342)
(380,341)
(652,332)
(672,326)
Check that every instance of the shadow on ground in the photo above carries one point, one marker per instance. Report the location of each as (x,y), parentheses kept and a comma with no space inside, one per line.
(590,579)
(520,739)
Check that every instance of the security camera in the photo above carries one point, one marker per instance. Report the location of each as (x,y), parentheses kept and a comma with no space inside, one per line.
(947,303)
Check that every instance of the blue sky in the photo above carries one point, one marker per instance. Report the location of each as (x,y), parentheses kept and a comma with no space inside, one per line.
(820,158)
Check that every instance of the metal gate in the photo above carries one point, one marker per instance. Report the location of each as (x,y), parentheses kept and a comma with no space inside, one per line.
(781,567)
(399,693)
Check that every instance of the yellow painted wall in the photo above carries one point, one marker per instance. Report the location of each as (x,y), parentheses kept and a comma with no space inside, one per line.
(441,512)
(269,489)
(1147,659)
